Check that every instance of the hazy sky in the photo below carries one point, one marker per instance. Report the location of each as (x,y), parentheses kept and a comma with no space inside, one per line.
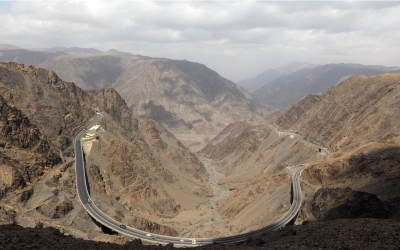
(238,39)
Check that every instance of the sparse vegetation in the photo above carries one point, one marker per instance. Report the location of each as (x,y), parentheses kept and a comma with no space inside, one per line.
(118,198)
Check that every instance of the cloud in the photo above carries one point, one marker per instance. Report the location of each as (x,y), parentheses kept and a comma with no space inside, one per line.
(238,39)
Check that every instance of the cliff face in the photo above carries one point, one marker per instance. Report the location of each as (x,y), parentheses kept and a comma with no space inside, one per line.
(129,157)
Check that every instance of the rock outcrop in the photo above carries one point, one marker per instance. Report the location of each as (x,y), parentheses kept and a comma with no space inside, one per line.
(25,153)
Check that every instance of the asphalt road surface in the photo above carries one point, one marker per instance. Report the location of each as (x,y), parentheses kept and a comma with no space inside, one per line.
(102,218)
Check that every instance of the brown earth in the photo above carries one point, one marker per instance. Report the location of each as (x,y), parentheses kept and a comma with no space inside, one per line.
(253,158)
(186,97)
(138,172)
(337,234)
(141,175)
(353,113)
(357,120)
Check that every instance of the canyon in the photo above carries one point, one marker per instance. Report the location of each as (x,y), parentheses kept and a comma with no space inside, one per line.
(139,172)
(189,99)
(132,158)
(357,121)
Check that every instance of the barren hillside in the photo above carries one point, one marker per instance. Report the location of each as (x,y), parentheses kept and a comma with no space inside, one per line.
(253,158)
(357,120)
(186,97)
(138,172)
(141,175)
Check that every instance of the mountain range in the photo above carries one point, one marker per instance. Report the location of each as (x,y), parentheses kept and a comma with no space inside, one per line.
(271,74)
(277,88)
(346,135)
(186,97)
(357,120)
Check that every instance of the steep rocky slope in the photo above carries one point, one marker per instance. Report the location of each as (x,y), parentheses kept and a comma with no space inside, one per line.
(186,97)
(291,88)
(353,113)
(253,158)
(132,162)
(25,153)
(357,120)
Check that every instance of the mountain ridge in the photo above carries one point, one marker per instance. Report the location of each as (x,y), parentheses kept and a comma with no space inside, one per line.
(130,157)
(357,120)
(291,88)
(252,84)
(186,97)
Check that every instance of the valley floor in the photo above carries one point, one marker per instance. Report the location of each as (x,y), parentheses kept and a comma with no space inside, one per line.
(194,142)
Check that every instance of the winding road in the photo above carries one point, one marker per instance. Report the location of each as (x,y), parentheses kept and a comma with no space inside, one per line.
(301,138)
(110,223)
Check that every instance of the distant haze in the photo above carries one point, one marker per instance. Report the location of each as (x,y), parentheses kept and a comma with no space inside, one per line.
(237,39)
